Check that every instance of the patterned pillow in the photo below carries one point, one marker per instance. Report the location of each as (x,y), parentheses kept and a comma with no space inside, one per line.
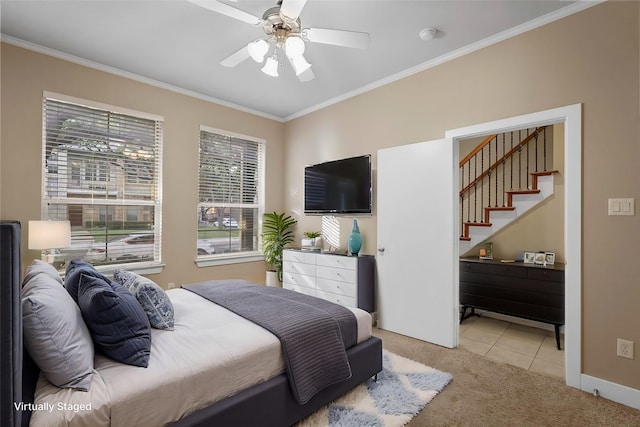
(119,327)
(55,334)
(151,297)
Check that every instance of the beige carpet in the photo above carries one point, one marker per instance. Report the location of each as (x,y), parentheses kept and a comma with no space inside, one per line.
(488,393)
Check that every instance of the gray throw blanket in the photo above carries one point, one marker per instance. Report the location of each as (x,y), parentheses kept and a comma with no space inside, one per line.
(314,333)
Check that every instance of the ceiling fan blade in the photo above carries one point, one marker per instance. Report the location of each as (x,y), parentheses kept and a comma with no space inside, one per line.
(229,11)
(337,37)
(291,9)
(236,57)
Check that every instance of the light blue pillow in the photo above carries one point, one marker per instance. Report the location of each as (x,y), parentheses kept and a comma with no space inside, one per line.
(118,325)
(55,334)
(152,298)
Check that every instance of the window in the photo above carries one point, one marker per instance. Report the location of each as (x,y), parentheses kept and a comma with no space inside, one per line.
(231,195)
(102,173)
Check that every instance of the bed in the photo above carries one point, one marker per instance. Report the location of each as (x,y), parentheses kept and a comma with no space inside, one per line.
(177,388)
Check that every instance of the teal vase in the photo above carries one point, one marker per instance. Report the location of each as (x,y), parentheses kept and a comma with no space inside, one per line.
(355,239)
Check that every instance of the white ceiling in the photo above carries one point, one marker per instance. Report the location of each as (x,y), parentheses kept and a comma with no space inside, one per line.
(178,45)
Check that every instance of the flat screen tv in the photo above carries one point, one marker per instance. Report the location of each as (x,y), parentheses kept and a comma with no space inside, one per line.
(339,186)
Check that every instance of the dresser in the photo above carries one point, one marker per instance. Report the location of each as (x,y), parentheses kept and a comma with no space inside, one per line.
(345,280)
(528,291)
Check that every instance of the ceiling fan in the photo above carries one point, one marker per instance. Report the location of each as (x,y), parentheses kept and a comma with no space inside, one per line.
(284,32)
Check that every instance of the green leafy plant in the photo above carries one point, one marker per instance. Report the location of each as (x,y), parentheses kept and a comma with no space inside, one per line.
(276,234)
(311,234)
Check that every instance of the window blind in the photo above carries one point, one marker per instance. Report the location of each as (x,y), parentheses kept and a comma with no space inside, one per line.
(102,173)
(230,189)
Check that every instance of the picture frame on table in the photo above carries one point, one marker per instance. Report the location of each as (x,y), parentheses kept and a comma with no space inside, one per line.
(549,258)
(529,257)
(539,258)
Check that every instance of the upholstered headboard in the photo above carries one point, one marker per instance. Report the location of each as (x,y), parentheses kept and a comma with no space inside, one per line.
(18,373)
(11,319)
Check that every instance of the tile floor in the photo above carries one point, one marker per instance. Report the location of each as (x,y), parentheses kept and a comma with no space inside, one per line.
(523,346)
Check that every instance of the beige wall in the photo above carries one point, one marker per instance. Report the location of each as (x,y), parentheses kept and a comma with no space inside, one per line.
(595,56)
(25,75)
(592,58)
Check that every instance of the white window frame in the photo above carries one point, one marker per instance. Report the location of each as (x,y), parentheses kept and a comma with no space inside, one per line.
(236,257)
(142,267)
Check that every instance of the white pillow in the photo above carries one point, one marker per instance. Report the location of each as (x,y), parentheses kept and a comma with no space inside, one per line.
(54,332)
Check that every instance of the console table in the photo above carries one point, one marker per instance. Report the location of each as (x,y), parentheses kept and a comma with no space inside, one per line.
(529,291)
(346,280)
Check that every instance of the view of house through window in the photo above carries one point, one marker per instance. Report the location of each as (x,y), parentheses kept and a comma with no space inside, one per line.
(230,193)
(102,173)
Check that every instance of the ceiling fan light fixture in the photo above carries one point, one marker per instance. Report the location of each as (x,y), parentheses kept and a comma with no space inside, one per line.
(271,66)
(294,47)
(258,49)
(300,65)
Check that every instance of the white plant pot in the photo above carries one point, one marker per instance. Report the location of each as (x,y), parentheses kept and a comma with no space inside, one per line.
(307,243)
(272,279)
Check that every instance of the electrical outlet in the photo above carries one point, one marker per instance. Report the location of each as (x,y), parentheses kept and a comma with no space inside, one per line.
(625,348)
(171,285)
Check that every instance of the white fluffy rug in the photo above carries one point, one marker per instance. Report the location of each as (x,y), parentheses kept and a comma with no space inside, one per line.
(403,388)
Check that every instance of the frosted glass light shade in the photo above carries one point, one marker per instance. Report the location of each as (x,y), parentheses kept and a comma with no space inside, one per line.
(258,49)
(294,47)
(49,234)
(300,65)
(271,66)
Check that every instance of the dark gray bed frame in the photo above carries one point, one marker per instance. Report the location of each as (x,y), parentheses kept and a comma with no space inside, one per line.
(267,404)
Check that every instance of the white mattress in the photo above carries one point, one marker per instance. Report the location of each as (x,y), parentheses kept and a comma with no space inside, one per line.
(211,354)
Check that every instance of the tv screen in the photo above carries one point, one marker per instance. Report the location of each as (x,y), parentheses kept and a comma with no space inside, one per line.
(339,187)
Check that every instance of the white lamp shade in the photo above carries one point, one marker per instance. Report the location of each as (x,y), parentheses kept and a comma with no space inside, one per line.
(294,47)
(49,234)
(300,65)
(258,49)
(271,66)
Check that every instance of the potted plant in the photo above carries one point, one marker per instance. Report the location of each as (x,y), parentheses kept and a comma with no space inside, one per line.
(312,239)
(276,234)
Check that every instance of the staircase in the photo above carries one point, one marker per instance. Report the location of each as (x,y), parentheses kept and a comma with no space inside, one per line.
(502,178)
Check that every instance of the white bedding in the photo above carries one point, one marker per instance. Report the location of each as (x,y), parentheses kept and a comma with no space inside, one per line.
(211,354)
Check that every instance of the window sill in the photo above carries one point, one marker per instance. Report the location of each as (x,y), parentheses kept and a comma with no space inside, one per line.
(228,259)
(138,268)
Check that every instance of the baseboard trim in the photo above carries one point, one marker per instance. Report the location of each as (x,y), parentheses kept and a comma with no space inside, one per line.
(612,391)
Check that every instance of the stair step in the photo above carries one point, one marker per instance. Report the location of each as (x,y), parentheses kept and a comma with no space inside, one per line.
(535,175)
(487,211)
(512,192)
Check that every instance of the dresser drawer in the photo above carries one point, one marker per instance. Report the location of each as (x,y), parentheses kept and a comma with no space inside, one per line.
(299,279)
(298,288)
(338,299)
(337,261)
(336,287)
(297,256)
(299,268)
(546,275)
(492,269)
(339,274)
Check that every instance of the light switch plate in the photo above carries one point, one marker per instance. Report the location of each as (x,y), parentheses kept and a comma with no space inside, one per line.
(622,206)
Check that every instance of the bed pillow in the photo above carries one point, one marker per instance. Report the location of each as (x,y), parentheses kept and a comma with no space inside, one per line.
(55,334)
(40,267)
(118,325)
(152,298)
(75,270)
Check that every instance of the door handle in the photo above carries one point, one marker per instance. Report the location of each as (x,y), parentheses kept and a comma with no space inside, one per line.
(381,249)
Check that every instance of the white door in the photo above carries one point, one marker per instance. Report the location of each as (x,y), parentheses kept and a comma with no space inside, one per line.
(417,207)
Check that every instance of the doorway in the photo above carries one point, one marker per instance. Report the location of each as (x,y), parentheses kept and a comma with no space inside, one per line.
(571,117)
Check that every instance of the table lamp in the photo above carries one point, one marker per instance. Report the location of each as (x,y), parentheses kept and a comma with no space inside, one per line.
(47,235)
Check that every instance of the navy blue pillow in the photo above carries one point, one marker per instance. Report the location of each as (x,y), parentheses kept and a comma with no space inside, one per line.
(75,270)
(118,324)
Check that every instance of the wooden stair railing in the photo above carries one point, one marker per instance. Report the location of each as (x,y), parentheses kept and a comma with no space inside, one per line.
(479,179)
